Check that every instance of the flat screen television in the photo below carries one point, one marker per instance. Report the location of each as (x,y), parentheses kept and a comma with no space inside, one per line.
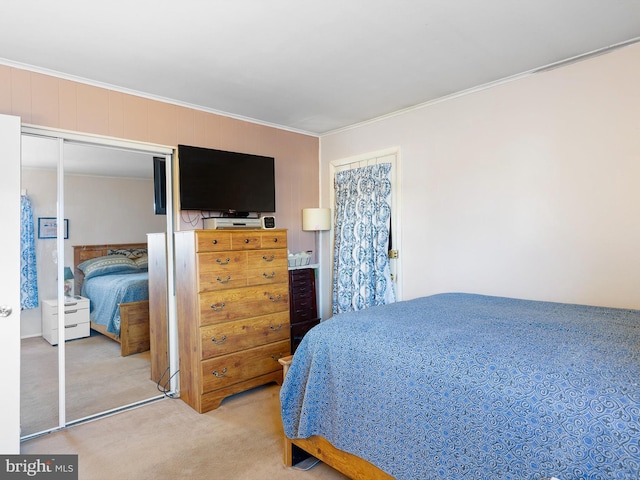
(235,184)
(159,186)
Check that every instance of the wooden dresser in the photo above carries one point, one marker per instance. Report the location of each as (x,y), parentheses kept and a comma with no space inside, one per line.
(232,299)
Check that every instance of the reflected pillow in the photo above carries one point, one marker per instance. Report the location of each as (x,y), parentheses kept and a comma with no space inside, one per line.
(142,262)
(107,265)
(132,253)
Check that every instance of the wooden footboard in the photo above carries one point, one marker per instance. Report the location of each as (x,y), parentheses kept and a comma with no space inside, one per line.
(134,328)
(346,463)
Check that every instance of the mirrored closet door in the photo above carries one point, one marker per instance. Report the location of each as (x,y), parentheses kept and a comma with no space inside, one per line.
(99,263)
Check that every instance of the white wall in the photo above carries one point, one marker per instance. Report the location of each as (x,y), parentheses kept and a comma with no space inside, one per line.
(527,189)
(99,209)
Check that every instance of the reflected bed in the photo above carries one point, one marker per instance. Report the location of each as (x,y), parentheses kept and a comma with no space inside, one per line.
(118,294)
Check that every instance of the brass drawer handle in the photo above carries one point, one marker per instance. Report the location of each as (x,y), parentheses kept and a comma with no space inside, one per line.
(275,299)
(226,280)
(223,262)
(269,259)
(221,341)
(218,308)
(266,275)
(216,374)
(275,358)
(275,329)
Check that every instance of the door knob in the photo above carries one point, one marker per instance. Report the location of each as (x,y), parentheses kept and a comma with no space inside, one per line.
(5,311)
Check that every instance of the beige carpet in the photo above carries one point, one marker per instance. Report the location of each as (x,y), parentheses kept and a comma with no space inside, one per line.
(98,379)
(242,439)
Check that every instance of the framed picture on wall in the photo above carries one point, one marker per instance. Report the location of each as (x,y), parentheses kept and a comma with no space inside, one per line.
(48,227)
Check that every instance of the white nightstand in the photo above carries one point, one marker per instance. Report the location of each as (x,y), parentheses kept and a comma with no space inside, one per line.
(76,319)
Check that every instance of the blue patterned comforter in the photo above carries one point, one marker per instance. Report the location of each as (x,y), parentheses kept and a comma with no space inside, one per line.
(107,292)
(468,386)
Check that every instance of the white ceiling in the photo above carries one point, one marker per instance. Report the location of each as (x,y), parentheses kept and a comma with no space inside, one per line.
(309,66)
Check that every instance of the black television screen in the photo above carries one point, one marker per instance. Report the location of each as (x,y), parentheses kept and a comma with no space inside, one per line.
(228,182)
(159,186)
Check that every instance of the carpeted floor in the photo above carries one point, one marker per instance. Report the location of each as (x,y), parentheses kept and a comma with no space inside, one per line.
(98,379)
(242,440)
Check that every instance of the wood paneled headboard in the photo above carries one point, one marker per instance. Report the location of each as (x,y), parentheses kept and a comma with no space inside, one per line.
(85,252)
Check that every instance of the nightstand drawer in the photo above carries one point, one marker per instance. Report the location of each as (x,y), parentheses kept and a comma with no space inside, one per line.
(72,316)
(72,331)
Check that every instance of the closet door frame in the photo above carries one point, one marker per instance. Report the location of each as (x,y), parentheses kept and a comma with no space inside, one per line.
(65,136)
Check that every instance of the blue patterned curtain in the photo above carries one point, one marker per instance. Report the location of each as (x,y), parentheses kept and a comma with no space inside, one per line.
(361,272)
(28,273)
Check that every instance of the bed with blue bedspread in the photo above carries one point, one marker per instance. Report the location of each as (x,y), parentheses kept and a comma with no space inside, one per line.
(457,386)
(109,291)
(115,279)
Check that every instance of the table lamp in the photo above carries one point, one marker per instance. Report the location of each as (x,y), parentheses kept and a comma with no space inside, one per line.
(68,282)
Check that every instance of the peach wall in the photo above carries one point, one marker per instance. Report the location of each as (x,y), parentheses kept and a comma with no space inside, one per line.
(526,189)
(53,102)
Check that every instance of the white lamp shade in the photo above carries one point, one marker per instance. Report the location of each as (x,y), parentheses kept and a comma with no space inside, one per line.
(315,219)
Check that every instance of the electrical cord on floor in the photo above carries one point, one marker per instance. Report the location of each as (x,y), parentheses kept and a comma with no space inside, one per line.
(164,388)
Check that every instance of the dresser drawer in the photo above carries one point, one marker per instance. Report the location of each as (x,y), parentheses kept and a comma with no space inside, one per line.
(274,239)
(220,372)
(227,337)
(267,258)
(301,313)
(236,303)
(299,330)
(218,270)
(267,275)
(213,240)
(302,282)
(303,290)
(267,266)
(302,297)
(246,240)
(300,276)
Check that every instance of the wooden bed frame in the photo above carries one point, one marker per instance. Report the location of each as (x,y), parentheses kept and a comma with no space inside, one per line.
(134,316)
(350,465)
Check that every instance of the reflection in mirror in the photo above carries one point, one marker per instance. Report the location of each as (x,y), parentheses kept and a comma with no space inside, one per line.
(39,359)
(108,199)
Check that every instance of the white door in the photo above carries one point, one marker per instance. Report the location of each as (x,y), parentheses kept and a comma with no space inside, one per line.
(10,284)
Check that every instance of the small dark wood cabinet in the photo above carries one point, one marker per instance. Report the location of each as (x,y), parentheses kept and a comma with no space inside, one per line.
(303,313)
